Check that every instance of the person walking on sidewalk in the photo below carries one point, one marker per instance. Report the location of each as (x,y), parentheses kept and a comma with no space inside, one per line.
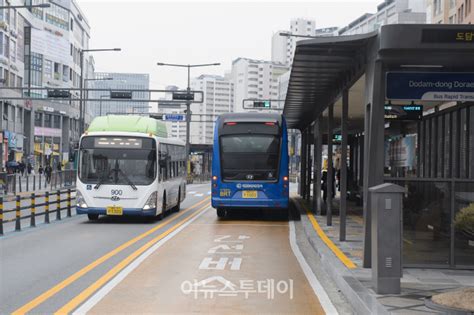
(48,171)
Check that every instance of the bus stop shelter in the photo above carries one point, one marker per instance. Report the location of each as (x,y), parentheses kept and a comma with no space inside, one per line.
(343,85)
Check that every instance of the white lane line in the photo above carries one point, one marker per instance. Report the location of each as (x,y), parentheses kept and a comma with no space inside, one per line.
(199,195)
(191,192)
(100,294)
(313,281)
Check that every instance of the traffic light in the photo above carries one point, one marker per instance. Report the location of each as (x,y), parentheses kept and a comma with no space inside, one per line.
(59,94)
(261,104)
(121,95)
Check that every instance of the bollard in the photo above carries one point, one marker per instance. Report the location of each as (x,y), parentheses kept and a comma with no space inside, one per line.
(58,205)
(46,207)
(14,184)
(19,183)
(39,182)
(33,210)
(27,183)
(69,202)
(34,182)
(18,214)
(1,215)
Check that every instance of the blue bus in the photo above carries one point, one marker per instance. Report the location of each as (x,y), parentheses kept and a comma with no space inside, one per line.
(250,162)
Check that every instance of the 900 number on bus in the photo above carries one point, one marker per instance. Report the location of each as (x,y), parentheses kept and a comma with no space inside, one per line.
(116,192)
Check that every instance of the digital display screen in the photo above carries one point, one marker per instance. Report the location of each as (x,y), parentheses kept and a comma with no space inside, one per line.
(403,112)
(118,142)
(447,36)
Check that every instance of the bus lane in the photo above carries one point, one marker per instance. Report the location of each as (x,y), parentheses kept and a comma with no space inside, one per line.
(215,266)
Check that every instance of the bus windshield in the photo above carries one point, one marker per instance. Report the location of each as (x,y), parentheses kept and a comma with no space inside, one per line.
(250,157)
(117,160)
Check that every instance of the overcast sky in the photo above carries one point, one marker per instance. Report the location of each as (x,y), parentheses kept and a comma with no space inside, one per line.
(199,32)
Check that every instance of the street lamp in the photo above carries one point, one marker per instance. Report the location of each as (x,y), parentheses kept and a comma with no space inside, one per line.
(188,103)
(81,84)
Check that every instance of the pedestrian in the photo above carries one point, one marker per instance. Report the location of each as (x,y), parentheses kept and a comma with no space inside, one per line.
(47,171)
(324,186)
(29,168)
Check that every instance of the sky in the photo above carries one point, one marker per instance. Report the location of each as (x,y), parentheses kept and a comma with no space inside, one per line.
(199,32)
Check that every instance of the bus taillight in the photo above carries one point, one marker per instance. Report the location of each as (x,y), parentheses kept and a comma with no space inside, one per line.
(214,178)
(285,178)
(231,123)
(270,124)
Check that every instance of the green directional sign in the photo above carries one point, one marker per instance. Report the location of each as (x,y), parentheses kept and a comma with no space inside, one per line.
(262,104)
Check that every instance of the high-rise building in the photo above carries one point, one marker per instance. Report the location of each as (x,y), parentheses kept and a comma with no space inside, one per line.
(450,11)
(283,47)
(255,79)
(39,48)
(117,82)
(218,98)
(388,12)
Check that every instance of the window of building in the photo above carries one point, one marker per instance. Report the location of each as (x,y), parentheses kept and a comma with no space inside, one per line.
(12,80)
(38,119)
(1,42)
(6,47)
(19,116)
(48,69)
(13,50)
(47,120)
(19,82)
(6,76)
(438,7)
(57,121)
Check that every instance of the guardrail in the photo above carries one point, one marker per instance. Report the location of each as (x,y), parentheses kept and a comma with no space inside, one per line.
(14,183)
(198,179)
(51,200)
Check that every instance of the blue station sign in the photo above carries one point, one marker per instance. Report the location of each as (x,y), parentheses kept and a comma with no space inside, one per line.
(430,86)
(173,117)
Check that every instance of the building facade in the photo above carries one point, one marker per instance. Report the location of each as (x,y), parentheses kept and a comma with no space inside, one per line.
(255,79)
(117,82)
(218,99)
(450,11)
(40,48)
(283,47)
(388,12)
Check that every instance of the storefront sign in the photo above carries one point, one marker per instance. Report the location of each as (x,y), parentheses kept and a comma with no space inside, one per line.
(48,132)
(447,36)
(430,86)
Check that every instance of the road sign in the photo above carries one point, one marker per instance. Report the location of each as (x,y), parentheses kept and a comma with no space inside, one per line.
(121,95)
(58,94)
(256,104)
(403,112)
(183,96)
(430,86)
(169,104)
(174,117)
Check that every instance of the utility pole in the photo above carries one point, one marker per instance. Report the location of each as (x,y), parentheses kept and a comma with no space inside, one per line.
(188,102)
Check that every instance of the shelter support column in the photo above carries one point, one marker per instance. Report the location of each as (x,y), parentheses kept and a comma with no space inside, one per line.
(374,148)
(330,170)
(343,180)
(309,164)
(317,167)
(302,185)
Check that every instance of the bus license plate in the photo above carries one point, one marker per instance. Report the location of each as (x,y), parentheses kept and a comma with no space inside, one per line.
(114,210)
(249,194)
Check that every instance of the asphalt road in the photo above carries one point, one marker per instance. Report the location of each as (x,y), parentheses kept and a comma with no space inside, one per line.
(77,265)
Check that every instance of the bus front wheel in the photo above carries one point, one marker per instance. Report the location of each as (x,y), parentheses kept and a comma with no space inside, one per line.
(221,213)
(92,216)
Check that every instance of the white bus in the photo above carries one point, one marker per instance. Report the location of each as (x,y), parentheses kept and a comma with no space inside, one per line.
(128,167)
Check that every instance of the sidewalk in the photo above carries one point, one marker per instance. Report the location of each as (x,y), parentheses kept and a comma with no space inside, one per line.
(417,284)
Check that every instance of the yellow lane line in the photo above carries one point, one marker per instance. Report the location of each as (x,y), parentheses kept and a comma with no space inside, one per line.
(60,286)
(86,293)
(342,257)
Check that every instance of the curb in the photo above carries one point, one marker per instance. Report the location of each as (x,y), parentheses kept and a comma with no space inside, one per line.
(360,298)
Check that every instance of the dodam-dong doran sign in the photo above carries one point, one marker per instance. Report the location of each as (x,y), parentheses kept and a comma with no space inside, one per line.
(430,86)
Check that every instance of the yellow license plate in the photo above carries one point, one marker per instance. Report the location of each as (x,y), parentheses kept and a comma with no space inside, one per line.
(114,210)
(249,194)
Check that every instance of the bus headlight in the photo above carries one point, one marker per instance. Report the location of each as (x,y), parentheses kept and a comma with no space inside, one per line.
(151,202)
(80,201)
